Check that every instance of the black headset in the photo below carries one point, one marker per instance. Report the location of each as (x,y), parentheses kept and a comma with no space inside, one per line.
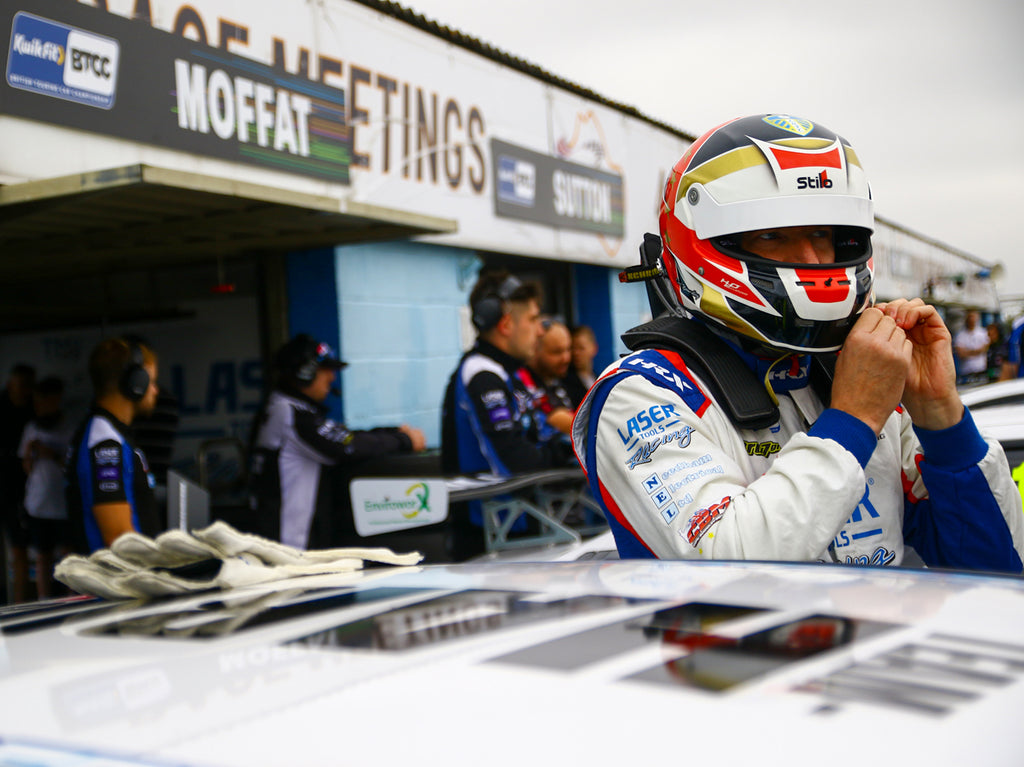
(299,358)
(308,367)
(488,311)
(134,380)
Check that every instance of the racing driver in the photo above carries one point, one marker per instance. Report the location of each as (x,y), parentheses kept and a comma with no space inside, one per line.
(734,431)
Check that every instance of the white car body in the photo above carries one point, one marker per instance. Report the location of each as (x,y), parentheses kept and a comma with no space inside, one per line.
(999,393)
(998,411)
(608,662)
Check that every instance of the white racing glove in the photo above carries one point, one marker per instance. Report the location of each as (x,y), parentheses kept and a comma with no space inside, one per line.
(230,542)
(216,557)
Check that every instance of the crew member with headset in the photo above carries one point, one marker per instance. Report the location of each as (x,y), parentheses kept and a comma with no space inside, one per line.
(292,497)
(488,422)
(110,486)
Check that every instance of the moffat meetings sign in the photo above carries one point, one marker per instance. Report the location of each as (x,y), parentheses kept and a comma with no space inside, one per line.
(78,66)
(73,65)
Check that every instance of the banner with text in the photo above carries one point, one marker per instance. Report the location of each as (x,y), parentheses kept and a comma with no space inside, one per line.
(81,67)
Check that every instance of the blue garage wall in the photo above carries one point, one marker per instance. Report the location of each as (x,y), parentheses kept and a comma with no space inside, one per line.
(394,312)
(399,306)
(593,307)
(609,307)
(313,302)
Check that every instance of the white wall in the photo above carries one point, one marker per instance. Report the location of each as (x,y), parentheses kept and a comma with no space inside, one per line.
(400,306)
(439,164)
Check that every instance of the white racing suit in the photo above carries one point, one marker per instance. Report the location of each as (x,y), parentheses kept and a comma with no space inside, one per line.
(678,480)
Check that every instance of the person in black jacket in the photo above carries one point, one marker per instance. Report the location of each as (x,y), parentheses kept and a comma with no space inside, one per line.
(295,440)
(547,373)
(489,422)
(581,375)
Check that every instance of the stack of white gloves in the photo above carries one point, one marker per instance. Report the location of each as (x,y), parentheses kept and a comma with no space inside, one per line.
(216,557)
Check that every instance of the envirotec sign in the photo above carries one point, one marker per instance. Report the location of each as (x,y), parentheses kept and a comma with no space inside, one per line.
(387,505)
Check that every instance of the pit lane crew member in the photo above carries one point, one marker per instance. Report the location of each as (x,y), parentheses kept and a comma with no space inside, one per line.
(726,435)
(292,494)
(110,486)
(488,421)
(546,374)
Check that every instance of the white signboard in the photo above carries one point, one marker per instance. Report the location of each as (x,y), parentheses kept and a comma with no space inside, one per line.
(397,503)
(421,125)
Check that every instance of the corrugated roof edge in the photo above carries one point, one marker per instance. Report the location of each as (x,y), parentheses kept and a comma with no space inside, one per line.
(481,48)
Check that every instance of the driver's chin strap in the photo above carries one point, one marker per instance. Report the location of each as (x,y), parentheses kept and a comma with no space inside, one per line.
(768,378)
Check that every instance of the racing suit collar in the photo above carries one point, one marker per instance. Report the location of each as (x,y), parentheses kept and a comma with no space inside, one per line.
(506,360)
(294,393)
(116,422)
(786,373)
(122,428)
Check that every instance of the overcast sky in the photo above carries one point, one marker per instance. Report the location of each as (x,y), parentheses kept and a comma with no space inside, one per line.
(930,94)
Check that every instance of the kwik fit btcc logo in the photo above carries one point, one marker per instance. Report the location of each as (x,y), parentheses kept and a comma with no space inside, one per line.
(63,62)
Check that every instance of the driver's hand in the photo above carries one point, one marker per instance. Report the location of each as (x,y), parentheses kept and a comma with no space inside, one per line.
(419,442)
(930,394)
(872,369)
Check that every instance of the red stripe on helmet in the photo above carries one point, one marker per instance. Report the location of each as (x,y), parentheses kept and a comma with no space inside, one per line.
(720,259)
(788,159)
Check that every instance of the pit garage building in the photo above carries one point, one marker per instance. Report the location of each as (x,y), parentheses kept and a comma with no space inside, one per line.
(217,175)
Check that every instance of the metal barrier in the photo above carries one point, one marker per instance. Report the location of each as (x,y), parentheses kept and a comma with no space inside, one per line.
(549,497)
(558,500)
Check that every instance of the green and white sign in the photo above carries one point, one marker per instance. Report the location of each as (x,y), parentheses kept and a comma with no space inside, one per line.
(390,504)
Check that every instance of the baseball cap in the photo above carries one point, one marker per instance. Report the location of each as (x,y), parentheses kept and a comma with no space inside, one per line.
(326,358)
(301,356)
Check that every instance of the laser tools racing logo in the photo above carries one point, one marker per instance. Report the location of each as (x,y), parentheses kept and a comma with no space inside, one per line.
(64,62)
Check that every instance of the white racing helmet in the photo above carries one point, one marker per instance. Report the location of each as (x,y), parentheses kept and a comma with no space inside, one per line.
(764,172)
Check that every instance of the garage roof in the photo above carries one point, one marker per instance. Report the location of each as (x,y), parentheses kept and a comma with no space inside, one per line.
(145,216)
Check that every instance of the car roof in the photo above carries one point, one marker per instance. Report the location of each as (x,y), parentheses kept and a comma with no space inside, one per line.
(512,663)
(998,393)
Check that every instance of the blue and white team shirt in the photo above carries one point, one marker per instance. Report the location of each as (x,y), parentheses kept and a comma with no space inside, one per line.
(105,467)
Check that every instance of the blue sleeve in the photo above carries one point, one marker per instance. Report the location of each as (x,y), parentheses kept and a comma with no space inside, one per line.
(960,524)
(849,431)
(1013,345)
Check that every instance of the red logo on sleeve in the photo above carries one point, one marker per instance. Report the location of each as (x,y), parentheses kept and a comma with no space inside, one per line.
(705,518)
